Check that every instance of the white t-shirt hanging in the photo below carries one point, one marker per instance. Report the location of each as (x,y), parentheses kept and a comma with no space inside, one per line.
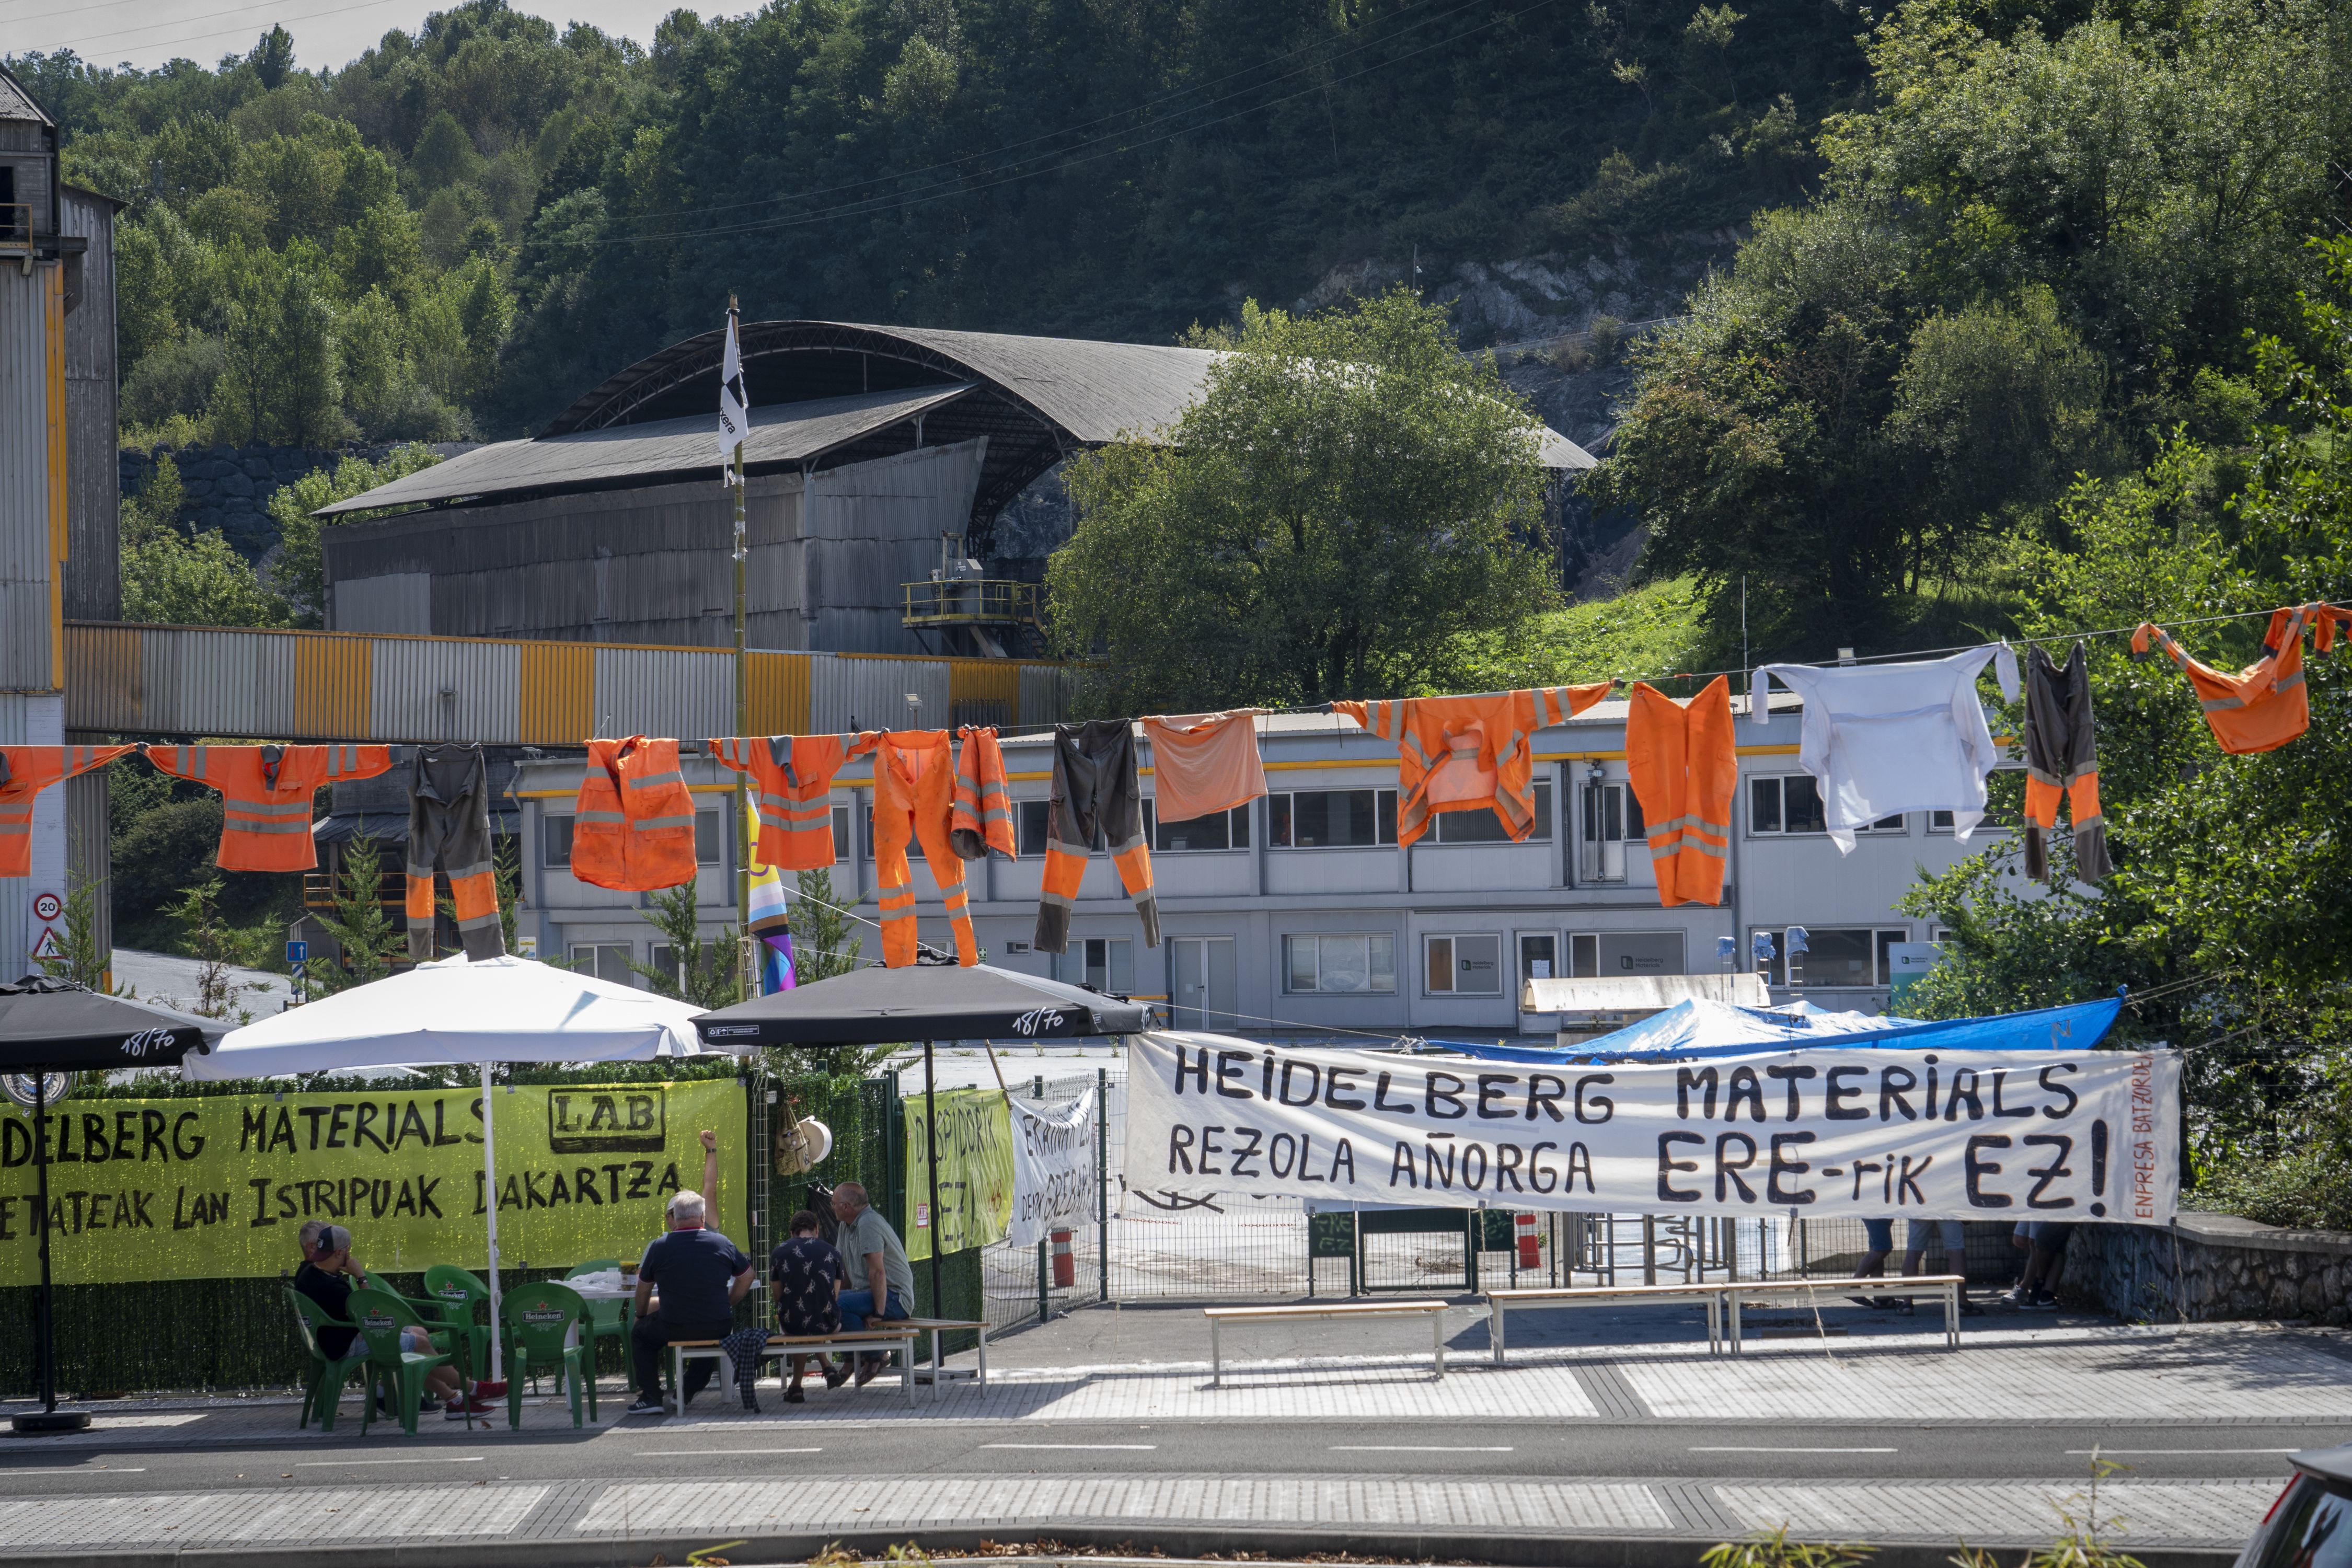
(1886,738)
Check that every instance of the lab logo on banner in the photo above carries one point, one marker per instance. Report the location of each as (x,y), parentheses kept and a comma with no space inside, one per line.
(627,1120)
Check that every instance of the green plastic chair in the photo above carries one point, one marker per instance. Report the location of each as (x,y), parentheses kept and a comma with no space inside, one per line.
(399,1372)
(536,1319)
(453,1292)
(323,1390)
(611,1318)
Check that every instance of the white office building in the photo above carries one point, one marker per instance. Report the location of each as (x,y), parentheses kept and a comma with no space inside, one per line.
(1297,914)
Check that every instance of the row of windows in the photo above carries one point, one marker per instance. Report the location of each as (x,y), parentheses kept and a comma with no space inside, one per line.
(1778,806)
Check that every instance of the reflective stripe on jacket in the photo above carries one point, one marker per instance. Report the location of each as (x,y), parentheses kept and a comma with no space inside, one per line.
(792,792)
(2264,705)
(982,818)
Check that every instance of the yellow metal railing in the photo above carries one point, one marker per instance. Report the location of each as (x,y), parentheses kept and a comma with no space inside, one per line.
(965,601)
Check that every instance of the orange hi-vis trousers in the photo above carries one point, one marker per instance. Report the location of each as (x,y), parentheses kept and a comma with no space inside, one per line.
(25,772)
(792,790)
(913,796)
(1685,772)
(449,826)
(1096,794)
(265,794)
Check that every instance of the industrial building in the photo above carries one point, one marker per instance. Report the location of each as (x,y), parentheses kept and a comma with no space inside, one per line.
(877,461)
(1298,914)
(58,486)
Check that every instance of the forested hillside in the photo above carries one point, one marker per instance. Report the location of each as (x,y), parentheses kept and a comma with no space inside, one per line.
(458,231)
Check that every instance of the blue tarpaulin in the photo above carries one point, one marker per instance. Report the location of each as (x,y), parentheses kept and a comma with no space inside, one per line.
(1689,1030)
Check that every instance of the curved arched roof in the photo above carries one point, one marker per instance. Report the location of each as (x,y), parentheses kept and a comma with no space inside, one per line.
(880,390)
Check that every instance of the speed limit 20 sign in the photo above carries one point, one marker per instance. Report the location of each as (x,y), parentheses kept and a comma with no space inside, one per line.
(48,907)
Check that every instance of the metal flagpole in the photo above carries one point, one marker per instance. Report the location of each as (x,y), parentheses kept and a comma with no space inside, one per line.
(931,1143)
(490,1206)
(746,979)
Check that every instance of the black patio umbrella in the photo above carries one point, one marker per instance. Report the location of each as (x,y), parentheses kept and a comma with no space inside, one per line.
(55,1026)
(924,1002)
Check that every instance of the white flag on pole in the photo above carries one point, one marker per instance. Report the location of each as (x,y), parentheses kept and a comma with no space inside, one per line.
(734,413)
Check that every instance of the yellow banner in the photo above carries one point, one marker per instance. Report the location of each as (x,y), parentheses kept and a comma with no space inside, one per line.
(216,1187)
(975,1172)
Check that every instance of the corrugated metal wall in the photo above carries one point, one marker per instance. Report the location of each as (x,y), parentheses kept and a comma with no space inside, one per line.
(88,848)
(429,688)
(679,692)
(26,558)
(1044,696)
(264,685)
(93,587)
(873,526)
(33,721)
(868,692)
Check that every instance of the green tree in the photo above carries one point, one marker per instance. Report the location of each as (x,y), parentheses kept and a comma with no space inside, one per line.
(170,578)
(273,58)
(81,960)
(299,574)
(705,972)
(217,948)
(371,940)
(306,398)
(1348,498)
(822,945)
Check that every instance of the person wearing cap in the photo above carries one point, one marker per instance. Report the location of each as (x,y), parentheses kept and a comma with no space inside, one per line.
(327,1278)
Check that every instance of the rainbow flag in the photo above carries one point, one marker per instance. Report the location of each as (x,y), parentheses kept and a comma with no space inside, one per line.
(771,919)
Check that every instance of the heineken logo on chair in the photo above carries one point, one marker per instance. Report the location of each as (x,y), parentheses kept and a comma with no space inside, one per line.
(545,1315)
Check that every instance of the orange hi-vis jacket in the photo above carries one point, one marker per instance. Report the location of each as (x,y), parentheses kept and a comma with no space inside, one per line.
(2264,705)
(982,818)
(25,772)
(914,803)
(1458,754)
(1686,773)
(265,794)
(791,791)
(634,830)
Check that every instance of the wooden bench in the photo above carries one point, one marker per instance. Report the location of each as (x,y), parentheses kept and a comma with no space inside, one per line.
(935,1327)
(1813,1291)
(1498,1302)
(895,1334)
(1220,1316)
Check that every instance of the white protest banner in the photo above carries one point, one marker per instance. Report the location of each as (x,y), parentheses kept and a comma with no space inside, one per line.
(1053,1169)
(2036,1135)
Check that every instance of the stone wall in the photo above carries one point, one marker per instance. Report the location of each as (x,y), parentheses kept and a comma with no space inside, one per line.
(228,488)
(2210,1266)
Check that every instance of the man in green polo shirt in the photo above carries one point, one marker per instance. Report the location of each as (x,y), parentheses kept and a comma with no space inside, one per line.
(876,1255)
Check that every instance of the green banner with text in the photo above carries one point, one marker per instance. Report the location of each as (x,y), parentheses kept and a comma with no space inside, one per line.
(215,1186)
(975,1172)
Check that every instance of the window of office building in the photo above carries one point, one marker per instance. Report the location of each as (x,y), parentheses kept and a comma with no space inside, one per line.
(1461,966)
(605,960)
(1340,964)
(1030,826)
(1331,819)
(1107,963)
(555,841)
(706,837)
(1218,830)
(1484,826)
(1849,956)
(1612,819)
(1592,954)
(1784,804)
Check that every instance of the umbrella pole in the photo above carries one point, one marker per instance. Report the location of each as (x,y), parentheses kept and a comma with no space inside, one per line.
(49,1348)
(931,1169)
(490,1204)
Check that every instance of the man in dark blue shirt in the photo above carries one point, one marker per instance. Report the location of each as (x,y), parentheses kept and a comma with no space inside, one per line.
(701,1277)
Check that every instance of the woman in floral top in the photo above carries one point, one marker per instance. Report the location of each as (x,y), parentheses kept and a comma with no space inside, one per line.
(805,1275)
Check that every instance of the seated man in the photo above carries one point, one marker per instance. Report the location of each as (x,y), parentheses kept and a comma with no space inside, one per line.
(806,1276)
(701,1278)
(876,1257)
(327,1278)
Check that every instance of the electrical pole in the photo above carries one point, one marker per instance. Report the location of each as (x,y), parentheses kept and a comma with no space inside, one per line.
(747,983)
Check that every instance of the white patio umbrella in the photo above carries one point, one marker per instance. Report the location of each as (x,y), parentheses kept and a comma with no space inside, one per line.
(454,1012)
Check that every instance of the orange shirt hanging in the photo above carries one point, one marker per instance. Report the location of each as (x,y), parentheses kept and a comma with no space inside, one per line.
(1686,773)
(2264,705)
(265,794)
(25,772)
(1459,753)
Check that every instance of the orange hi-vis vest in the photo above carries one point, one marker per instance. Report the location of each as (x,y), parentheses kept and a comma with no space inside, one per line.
(634,830)
(1459,753)
(25,772)
(265,794)
(1686,773)
(982,818)
(914,802)
(792,792)
(2264,705)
